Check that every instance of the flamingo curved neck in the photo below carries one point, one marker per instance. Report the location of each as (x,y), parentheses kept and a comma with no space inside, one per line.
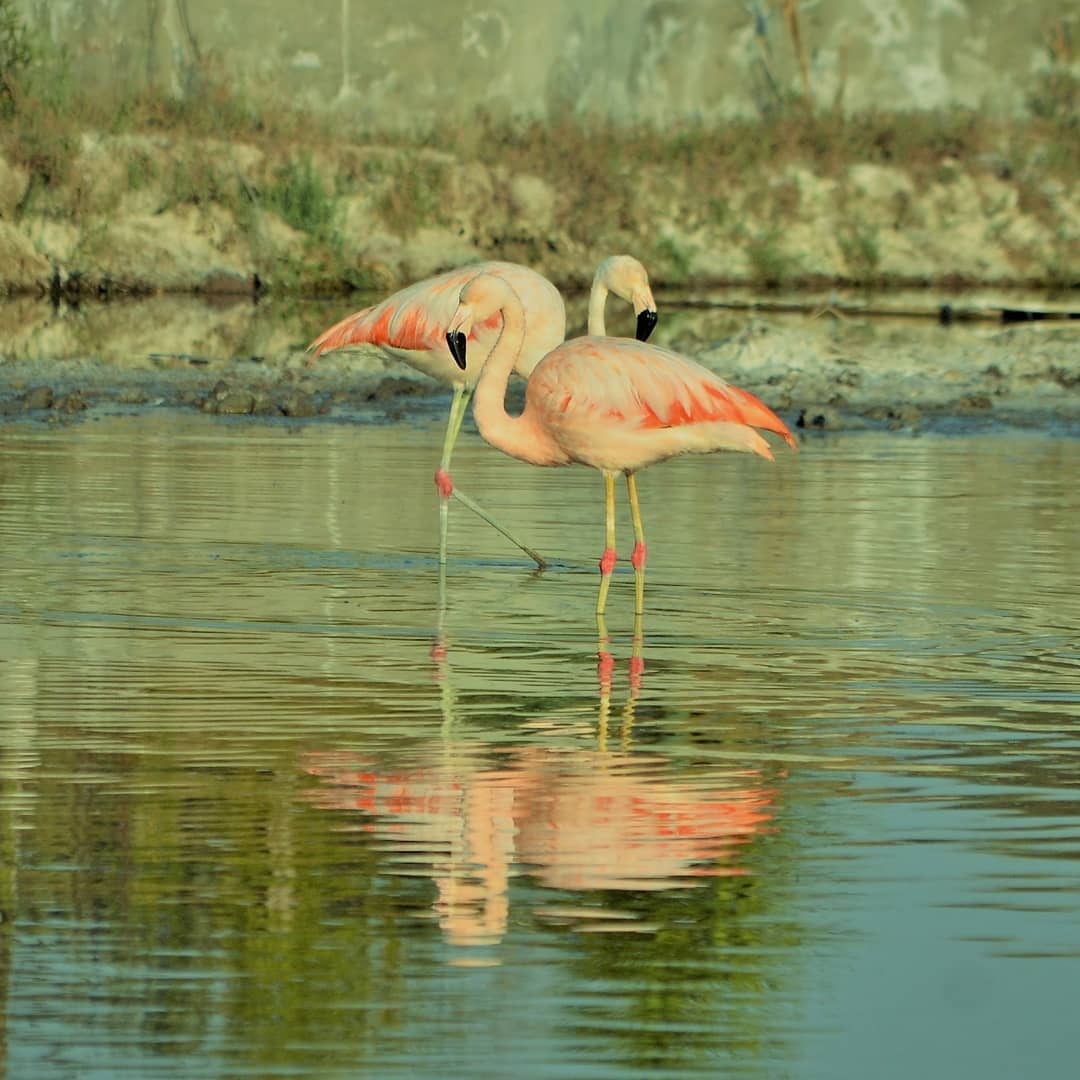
(597,302)
(518,436)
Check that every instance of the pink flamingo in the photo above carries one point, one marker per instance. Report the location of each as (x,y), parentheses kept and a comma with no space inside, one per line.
(612,403)
(411,325)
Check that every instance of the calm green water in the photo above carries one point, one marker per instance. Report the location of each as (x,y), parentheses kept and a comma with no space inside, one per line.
(266,812)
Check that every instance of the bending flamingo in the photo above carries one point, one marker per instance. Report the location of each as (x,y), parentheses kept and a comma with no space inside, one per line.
(411,325)
(612,403)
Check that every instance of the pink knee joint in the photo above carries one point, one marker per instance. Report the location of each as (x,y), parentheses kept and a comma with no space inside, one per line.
(637,559)
(607,561)
(444,483)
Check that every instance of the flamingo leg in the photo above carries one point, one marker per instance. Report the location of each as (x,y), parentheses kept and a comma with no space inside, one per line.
(607,560)
(442,476)
(638,557)
(458,407)
(476,508)
(458,404)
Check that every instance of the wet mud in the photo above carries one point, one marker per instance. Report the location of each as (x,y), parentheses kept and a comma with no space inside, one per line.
(823,368)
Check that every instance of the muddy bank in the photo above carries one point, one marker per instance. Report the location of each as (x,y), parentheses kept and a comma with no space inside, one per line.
(820,371)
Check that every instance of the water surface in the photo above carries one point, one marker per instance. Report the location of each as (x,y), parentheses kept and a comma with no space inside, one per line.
(266,809)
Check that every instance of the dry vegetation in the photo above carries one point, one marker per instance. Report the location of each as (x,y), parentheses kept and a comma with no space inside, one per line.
(672,195)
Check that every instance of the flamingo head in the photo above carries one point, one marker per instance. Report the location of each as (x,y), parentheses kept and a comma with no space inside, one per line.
(481,298)
(627,279)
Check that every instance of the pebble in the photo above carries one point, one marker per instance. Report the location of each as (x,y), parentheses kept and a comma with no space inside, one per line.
(40,397)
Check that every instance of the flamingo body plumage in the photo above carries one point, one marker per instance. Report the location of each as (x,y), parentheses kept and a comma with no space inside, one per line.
(619,405)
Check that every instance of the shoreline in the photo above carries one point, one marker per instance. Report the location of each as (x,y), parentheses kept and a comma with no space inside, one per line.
(823,371)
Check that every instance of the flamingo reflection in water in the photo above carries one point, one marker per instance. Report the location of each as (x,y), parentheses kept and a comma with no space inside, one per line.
(575,819)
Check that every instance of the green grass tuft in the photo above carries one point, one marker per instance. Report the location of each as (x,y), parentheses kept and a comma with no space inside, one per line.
(299,196)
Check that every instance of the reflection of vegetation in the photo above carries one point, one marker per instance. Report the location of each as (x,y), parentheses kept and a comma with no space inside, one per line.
(8,861)
(210,880)
(702,987)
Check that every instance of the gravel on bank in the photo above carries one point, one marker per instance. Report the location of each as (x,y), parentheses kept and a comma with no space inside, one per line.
(820,373)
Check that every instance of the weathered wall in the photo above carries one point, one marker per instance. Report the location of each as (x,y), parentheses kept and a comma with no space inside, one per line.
(401,61)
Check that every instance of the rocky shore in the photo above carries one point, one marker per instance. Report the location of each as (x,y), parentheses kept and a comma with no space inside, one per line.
(822,370)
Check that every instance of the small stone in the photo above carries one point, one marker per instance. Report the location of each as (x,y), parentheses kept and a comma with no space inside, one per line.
(297,403)
(818,417)
(236,403)
(40,397)
(264,405)
(70,403)
(906,416)
(394,387)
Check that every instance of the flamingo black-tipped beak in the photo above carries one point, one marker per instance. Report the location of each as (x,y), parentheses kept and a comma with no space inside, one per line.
(456,340)
(646,320)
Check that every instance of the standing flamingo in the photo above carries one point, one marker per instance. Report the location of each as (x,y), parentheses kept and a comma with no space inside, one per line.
(612,403)
(411,325)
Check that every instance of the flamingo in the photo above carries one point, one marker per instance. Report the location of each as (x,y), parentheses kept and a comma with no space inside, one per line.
(411,325)
(615,404)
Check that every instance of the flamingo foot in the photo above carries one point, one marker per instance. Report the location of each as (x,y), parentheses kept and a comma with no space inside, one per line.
(637,669)
(607,561)
(637,559)
(444,483)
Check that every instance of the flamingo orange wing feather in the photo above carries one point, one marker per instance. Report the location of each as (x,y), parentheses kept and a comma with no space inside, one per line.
(415,318)
(621,380)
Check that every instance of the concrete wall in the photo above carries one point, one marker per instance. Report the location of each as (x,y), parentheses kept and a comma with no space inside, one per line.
(396,62)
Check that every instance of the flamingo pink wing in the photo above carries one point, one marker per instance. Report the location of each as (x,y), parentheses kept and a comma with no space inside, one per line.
(414,318)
